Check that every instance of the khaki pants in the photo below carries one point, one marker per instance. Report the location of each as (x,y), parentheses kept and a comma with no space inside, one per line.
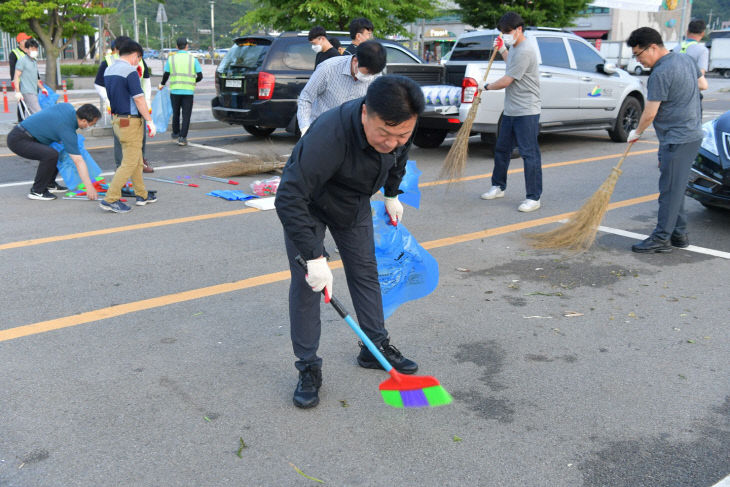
(130,133)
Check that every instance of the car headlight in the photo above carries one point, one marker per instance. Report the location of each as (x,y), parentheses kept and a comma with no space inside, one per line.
(708,141)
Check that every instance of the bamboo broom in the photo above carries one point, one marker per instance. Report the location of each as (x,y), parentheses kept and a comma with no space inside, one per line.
(579,232)
(248,164)
(455,161)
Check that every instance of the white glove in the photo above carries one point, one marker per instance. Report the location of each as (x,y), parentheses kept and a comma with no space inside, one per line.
(319,276)
(18,96)
(303,131)
(394,209)
(633,136)
(499,44)
(151,129)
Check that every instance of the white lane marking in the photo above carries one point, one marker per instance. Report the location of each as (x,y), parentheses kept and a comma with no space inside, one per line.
(691,248)
(723,483)
(157,168)
(226,151)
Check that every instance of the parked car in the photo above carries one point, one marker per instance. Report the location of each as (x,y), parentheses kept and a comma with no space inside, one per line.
(151,54)
(258,81)
(709,181)
(579,90)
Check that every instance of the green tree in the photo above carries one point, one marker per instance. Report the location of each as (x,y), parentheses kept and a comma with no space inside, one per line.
(387,16)
(544,13)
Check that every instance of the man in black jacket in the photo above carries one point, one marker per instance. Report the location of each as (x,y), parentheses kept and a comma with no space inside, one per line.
(348,154)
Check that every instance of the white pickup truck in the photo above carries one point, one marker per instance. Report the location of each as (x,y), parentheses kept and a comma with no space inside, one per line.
(720,57)
(579,90)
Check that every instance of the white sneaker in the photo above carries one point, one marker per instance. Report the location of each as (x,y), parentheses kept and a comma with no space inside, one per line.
(529,205)
(494,192)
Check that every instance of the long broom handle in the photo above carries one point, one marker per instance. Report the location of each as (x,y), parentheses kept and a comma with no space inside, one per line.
(355,327)
(623,157)
(489,67)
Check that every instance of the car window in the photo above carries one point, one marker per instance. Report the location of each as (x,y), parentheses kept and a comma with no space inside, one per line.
(476,48)
(299,56)
(586,58)
(552,52)
(247,57)
(395,55)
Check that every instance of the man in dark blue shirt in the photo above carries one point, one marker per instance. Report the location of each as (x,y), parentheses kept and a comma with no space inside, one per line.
(348,154)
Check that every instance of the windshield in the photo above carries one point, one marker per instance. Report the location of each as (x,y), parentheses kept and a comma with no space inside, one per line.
(245,56)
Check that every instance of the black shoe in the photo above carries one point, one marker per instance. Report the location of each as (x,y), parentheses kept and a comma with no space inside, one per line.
(44,196)
(306,395)
(151,198)
(396,359)
(651,244)
(182,141)
(54,187)
(680,241)
(127,191)
(175,136)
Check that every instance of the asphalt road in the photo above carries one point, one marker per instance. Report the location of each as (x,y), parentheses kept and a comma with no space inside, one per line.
(141,349)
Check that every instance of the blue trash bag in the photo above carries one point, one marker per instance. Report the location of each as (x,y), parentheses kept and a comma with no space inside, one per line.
(231,195)
(406,271)
(47,100)
(409,185)
(67,168)
(161,110)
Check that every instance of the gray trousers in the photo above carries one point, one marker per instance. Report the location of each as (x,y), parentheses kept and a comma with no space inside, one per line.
(118,146)
(357,251)
(675,161)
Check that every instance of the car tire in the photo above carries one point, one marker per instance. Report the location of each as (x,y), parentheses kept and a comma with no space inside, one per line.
(726,73)
(627,120)
(259,131)
(638,71)
(429,138)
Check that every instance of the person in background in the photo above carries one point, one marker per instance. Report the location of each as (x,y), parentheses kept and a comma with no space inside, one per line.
(26,80)
(694,48)
(321,45)
(336,44)
(15,54)
(361,30)
(338,80)
(32,138)
(673,106)
(183,71)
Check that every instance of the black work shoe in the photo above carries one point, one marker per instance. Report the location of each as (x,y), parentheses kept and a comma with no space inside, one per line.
(651,244)
(679,240)
(182,141)
(44,196)
(396,359)
(175,136)
(54,187)
(306,395)
(126,191)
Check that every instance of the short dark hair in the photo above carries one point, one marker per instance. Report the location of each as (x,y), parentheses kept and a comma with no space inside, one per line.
(510,21)
(181,42)
(317,31)
(644,37)
(118,41)
(31,43)
(88,112)
(371,55)
(130,47)
(358,25)
(394,99)
(696,26)
(335,42)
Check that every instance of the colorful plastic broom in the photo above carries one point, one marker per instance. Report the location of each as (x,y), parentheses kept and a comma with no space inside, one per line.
(400,391)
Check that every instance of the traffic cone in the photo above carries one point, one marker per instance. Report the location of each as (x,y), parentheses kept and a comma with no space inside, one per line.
(65,95)
(5,98)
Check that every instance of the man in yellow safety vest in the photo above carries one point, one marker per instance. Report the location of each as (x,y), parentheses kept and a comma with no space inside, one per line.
(183,71)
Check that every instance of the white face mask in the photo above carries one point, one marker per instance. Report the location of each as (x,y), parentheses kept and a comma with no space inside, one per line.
(316,48)
(364,77)
(33,54)
(508,39)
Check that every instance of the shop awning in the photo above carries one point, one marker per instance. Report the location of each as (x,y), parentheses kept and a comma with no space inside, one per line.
(590,34)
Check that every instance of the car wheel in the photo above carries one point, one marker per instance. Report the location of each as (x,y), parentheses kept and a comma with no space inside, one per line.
(638,71)
(726,73)
(627,120)
(429,138)
(259,131)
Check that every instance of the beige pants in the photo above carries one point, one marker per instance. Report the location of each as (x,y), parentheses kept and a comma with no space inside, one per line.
(129,132)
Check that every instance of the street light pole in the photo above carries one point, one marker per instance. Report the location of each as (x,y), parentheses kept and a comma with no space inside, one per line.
(136,25)
(212,24)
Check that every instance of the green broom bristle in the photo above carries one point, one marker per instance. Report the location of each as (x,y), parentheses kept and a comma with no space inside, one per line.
(429,396)
(437,396)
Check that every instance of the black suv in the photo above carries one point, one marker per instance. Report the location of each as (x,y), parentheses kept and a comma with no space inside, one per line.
(258,81)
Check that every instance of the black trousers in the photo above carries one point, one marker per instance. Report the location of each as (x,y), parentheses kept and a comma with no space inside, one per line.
(22,143)
(357,250)
(184,103)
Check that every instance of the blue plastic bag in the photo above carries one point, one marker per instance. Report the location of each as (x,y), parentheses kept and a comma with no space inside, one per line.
(406,271)
(231,195)
(67,168)
(48,100)
(409,185)
(161,110)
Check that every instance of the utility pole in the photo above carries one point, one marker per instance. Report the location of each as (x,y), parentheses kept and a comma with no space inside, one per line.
(146,34)
(136,25)
(682,30)
(212,24)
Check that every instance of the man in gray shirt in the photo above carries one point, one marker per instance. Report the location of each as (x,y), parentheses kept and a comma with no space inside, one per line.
(520,121)
(693,47)
(673,104)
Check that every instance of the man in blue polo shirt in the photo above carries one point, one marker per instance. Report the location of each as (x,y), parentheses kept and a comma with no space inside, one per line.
(129,111)
(32,138)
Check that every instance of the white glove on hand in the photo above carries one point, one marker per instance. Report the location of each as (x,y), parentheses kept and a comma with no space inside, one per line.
(304,131)
(394,209)
(151,129)
(319,276)
(499,44)
(18,96)
(633,136)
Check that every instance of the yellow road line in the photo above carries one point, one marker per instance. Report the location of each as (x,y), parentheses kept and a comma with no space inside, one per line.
(208,216)
(122,309)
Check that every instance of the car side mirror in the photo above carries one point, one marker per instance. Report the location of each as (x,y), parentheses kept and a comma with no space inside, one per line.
(608,68)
